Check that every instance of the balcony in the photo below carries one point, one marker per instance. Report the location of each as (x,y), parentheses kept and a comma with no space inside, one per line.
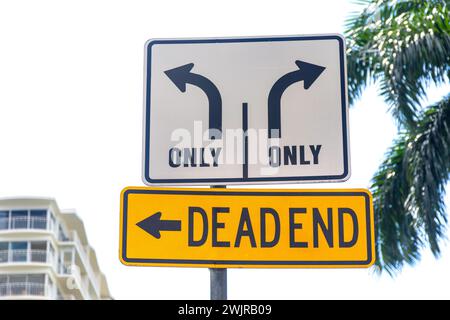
(71,278)
(14,223)
(25,256)
(84,259)
(25,289)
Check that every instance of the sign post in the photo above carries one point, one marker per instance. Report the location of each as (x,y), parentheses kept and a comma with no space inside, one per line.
(218,278)
(218,283)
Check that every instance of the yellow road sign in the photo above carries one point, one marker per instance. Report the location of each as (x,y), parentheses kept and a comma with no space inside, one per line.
(246,228)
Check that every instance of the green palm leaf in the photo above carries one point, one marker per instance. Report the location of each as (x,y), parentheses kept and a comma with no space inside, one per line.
(402,45)
(408,190)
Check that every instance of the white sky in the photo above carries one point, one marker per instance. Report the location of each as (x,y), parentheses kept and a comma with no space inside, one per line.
(71,87)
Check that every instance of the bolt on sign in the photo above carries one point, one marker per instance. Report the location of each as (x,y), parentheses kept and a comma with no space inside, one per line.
(245,228)
(245,110)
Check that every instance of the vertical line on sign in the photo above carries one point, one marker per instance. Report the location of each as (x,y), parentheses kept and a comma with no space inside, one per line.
(244,129)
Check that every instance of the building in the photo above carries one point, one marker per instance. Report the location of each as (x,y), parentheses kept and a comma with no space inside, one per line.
(45,254)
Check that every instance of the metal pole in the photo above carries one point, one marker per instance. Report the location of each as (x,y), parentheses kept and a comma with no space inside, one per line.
(218,283)
(218,278)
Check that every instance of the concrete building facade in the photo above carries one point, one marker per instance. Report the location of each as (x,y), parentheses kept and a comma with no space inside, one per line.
(45,254)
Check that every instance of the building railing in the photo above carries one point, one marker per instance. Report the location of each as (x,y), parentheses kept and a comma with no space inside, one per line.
(14,223)
(4,256)
(23,289)
(37,256)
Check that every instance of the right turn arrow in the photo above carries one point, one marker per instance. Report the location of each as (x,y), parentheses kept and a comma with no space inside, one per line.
(307,72)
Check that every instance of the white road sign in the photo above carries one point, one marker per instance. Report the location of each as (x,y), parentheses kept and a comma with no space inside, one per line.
(245,111)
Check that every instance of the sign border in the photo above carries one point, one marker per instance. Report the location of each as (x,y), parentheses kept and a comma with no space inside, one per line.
(248,263)
(256,180)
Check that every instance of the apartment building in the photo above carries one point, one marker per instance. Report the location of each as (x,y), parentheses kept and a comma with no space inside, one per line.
(45,254)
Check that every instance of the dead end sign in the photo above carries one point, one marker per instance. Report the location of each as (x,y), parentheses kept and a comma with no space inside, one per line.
(247,228)
(245,110)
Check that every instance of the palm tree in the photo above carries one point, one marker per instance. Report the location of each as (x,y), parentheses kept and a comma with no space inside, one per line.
(403,46)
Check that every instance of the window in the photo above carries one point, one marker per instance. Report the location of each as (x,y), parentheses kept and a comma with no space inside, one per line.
(62,235)
(17,284)
(3,252)
(36,284)
(65,261)
(38,251)
(24,219)
(52,222)
(38,219)
(19,219)
(19,251)
(22,284)
(37,278)
(4,220)
(3,285)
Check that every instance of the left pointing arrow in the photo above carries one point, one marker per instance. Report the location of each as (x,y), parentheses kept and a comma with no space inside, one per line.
(153,225)
(182,75)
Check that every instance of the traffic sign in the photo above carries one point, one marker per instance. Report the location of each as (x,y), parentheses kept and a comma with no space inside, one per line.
(245,110)
(246,228)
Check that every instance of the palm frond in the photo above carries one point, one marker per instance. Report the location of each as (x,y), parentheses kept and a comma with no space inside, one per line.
(405,46)
(429,162)
(408,190)
(397,237)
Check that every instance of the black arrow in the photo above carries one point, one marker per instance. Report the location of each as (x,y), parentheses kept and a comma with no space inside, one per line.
(308,73)
(182,75)
(153,225)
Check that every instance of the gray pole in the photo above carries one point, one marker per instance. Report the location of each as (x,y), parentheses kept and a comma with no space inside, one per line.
(218,283)
(218,278)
